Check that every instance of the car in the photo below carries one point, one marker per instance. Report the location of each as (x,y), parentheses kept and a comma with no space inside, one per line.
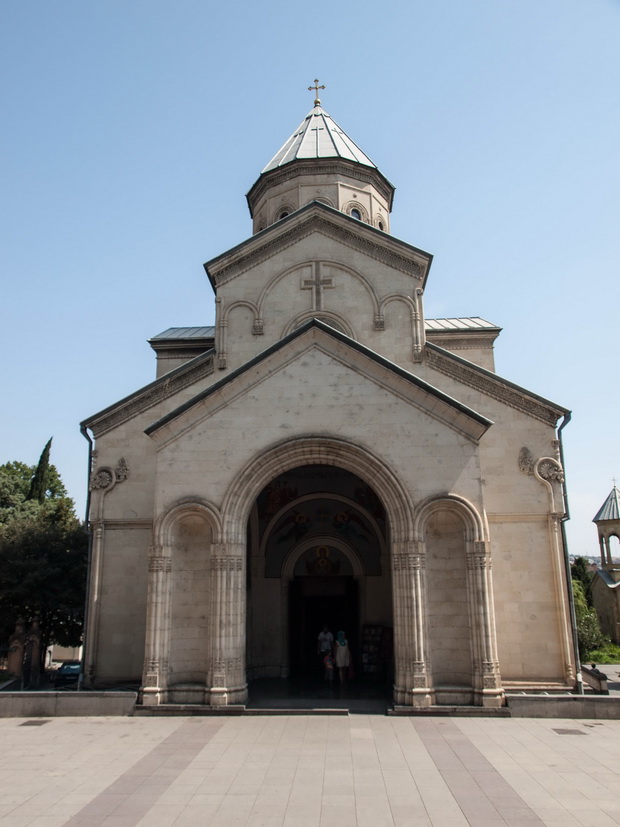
(67,673)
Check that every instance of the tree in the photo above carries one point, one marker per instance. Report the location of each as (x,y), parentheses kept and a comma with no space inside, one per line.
(43,553)
(38,484)
(580,570)
(589,635)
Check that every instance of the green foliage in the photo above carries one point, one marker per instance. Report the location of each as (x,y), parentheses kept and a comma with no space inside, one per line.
(608,653)
(589,633)
(38,484)
(15,484)
(43,553)
(580,570)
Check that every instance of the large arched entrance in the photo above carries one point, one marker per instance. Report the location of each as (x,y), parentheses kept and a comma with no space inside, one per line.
(318,555)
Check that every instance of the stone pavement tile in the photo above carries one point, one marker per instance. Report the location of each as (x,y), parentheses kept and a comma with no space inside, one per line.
(346,800)
(270,806)
(161,815)
(310,819)
(47,821)
(557,818)
(16,821)
(197,812)
(103,804)
(373,810)
(407,820)
(403,814)
(520,816)
(594,818)
(338,817)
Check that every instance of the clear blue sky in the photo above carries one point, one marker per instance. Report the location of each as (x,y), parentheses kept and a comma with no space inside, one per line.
(132,131)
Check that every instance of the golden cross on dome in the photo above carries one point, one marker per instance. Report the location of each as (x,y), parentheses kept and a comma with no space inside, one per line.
(316,88)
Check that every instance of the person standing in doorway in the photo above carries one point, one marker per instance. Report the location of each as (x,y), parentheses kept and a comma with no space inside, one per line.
(342,656)
(325,644)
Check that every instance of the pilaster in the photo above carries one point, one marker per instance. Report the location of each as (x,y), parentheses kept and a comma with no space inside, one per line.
(228,682)
(411,673)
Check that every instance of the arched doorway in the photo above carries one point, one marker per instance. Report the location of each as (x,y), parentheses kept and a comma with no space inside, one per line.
(318,554)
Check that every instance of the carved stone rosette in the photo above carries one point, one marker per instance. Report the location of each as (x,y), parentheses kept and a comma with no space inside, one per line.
(105,478)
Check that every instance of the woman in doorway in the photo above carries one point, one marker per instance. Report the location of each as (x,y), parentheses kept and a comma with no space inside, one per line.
(342,656)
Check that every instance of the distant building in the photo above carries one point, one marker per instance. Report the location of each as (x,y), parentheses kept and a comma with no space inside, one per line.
(606,582)
(324,454)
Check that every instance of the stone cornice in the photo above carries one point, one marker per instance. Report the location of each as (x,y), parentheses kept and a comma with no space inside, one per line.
(145,398)
(331,167)
(332,224)
(462,342)
(491,385)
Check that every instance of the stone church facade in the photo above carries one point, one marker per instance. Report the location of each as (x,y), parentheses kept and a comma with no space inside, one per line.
(325,454)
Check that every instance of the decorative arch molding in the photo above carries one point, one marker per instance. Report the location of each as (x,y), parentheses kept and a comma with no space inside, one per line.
(277,215)
(335,320)
(271,284)
(364,281)
(221,330)
(188,506)
(397,297)
(315,496)
(320,450)
(476,528)
(486,681)
(322,200)
(157,686)
(418,333)
(349,206)
(315,450)
(288,567)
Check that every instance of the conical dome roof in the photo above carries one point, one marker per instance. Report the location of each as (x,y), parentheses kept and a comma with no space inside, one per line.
(319,162)
(318,136)
(610,510)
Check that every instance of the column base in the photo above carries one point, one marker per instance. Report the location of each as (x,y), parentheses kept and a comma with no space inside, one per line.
(152,696)
(228,696)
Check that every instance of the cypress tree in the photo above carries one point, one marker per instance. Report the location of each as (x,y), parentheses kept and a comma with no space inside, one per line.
(38,484)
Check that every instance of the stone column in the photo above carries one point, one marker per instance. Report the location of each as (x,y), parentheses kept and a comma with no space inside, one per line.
(94,598)
(285,668)
(487,680)
(409,593)
(228,681)
(418,328)
(157,649)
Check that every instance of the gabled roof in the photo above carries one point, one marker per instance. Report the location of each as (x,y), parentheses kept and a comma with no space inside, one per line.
(318,217)
(318,136)
(148,396)
(493,385)
(172,333)
(440,405)
(460,324)
(192,334)
(610,510)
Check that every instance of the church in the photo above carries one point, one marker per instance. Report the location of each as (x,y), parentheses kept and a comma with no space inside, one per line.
(326,455)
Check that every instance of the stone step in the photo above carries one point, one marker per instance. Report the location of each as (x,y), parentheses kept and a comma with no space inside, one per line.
(171,710)
(453,711)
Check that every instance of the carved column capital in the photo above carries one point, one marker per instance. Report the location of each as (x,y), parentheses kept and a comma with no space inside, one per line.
(160,563)
(224,563)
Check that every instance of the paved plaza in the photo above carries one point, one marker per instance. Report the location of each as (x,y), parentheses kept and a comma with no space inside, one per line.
(304,770)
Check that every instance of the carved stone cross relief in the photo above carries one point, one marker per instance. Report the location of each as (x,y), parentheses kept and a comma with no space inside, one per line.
(317,284)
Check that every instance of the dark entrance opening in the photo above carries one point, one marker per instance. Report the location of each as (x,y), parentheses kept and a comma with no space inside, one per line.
(318,554)
(313,603)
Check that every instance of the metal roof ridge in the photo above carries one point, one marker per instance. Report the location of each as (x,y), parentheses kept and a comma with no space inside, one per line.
(610,510)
